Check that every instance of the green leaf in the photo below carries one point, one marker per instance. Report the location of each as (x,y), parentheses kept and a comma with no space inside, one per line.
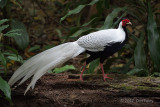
(48,47)
(134,71)
(93,65)
(19,3)
(153,39)
(13,33)
(80,31)
(3,3)
(140,57)
(119,19)
(16,58)
(139,54)
(92,20)
(156,74)
(36,47)
(75,11)
(126,66)
(3,27)
(108,63)
(64,68)
(3,21)
(3,60)
(5,88)
(78,9)
(11,49)
(59,33)
(109,19)
(22,40)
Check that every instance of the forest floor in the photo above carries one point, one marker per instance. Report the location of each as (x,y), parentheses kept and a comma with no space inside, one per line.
(66,90)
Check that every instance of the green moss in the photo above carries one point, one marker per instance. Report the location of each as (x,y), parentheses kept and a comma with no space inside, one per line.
(121,76)
(123,86)
(136,85)
(143,88)
(126,87)
(148,88)
(129,83)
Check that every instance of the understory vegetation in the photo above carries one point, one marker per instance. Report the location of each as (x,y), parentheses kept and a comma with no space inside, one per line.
(23,23)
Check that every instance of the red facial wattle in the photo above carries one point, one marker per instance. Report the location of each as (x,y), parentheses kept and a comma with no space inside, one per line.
(125,22)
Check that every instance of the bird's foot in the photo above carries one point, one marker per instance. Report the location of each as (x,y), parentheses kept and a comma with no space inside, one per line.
(81,78)
(106,76)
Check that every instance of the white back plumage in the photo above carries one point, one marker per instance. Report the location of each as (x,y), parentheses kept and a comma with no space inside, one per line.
(97,41)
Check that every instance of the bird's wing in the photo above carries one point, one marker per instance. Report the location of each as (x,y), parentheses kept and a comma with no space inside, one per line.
(98,40)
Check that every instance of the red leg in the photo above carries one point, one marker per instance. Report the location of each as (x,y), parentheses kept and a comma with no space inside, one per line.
(104,75)
(84,67)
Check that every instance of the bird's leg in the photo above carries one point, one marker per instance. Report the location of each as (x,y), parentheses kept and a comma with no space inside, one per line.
(104,75)
(84,67)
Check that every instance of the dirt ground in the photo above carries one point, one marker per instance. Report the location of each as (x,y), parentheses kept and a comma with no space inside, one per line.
(66,90)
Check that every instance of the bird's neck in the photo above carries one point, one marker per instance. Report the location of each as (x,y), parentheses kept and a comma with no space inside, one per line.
(126,34)
(125,30)
(120,25)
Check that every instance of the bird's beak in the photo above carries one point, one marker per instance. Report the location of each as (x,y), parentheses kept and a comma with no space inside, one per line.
(129,23)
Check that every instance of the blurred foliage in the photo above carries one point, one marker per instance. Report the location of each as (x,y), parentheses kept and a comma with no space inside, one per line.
(147,51)
(8,55)
(6,89)
(153,39)
(22,39)
(10,30)
(140,58)
(78,9)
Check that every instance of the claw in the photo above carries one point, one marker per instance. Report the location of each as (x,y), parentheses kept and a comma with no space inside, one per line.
(106,76)
(81,78)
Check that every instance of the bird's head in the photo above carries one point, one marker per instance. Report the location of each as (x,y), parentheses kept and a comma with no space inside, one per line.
(126,22)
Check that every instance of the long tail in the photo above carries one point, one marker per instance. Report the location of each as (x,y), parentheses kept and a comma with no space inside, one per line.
(44,61)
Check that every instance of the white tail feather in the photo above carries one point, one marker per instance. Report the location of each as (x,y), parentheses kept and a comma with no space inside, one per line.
(44,61)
